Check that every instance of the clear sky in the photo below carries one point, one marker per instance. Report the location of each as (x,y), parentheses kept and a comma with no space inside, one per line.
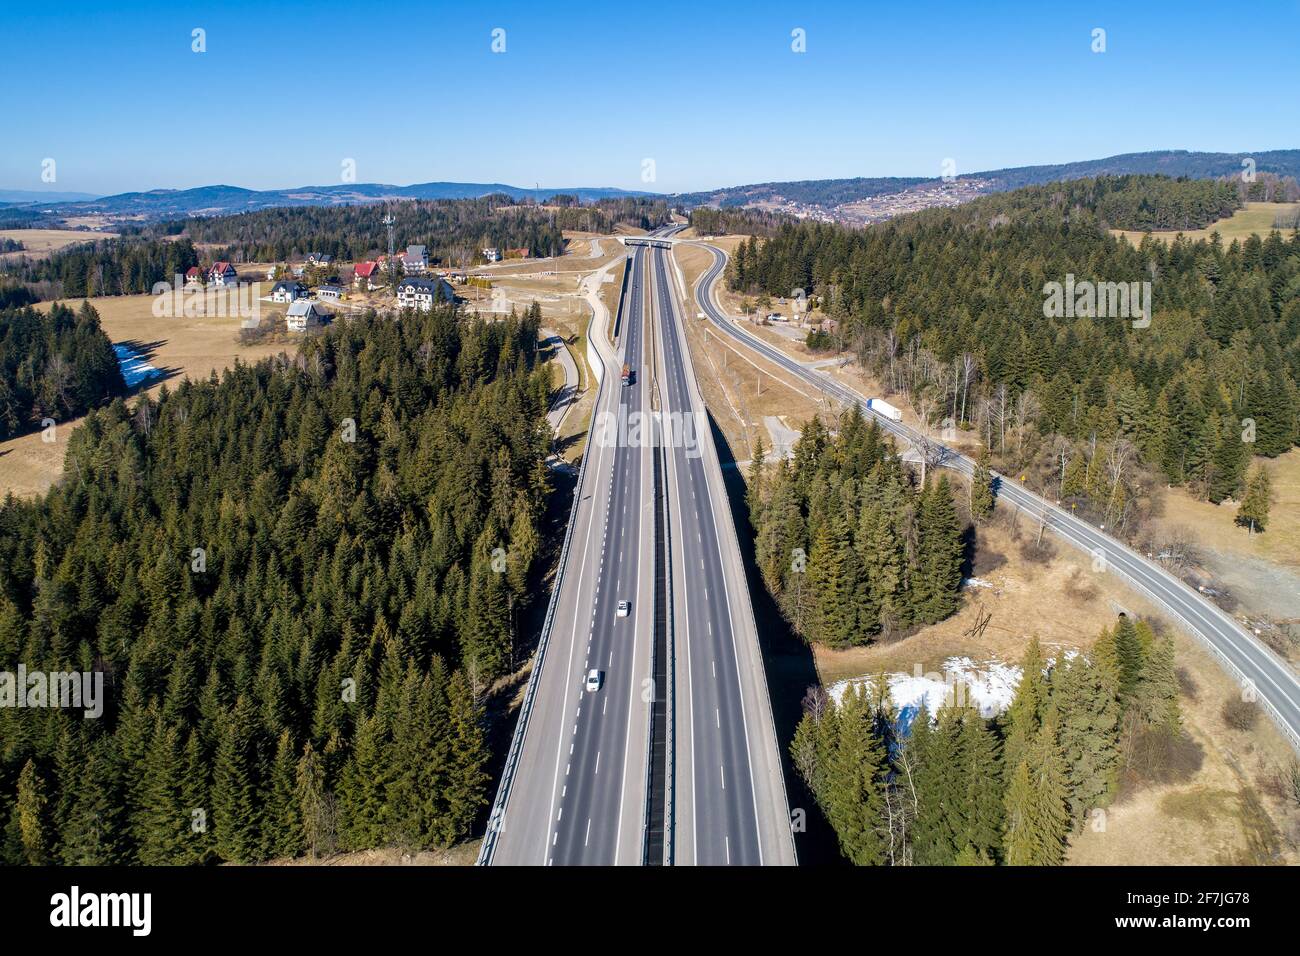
(710,90)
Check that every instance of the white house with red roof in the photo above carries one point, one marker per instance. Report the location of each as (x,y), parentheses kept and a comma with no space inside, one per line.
(222,274)
(366,275)
(193,276)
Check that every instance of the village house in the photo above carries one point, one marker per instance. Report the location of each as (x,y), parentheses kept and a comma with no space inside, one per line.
(223,274)
(492,254)
(365,276)
(319,259)
(284,291)
(331,292)
(423,293)
(193,276)
(303,315)
(416,260)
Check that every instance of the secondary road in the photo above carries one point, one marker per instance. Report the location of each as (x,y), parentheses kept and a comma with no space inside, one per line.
(1253,664)
(729,801)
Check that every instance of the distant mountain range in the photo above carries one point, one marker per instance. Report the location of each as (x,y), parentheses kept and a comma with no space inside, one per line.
(869,199)
(159,204)
(851,200)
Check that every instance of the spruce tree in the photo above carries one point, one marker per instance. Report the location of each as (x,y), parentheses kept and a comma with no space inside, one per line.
(1253,513)
(981,487)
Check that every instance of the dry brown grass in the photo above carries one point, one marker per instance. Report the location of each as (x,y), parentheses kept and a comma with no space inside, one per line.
(1214,525)
(39,243)
(463,854)
(1255,219)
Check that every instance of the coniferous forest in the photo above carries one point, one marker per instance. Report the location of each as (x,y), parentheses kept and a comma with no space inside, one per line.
(53,365)
(956,788)
(847,543)
(946,308)
(292,581)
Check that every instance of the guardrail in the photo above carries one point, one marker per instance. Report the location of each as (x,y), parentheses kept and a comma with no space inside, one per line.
(496,818)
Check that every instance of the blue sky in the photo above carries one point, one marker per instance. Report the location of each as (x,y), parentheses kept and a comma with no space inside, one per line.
(584,93)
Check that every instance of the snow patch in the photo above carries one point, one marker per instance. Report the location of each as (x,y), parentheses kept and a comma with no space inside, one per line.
(134,368)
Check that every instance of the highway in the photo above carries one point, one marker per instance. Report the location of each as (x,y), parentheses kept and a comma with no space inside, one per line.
(729,802)
(575,785)
(1250,662)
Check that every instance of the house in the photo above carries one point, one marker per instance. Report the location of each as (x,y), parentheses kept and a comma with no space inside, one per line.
(288,291)
(492,254)
(366,275)
(521,253)
(416,260)
(319,259)
(193,276)
(332,292)
(423,293)
(303,315)
(459,278)
(298,271)
(270,274)
(223,274)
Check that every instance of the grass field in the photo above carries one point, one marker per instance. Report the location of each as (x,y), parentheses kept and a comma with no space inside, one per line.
(40,243)
(1255,219)
(182,347)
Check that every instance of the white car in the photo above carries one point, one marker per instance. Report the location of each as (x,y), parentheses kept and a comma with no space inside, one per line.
(624,608)
(594,678)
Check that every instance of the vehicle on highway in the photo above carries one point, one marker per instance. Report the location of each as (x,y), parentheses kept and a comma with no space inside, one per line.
(623,608)
(594,679)
(628,375)
(884,408)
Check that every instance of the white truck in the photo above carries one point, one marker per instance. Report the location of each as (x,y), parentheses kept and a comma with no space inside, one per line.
(884,408)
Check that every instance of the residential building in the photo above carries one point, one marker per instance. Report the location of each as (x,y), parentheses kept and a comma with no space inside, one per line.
(492,254)
(423,293)
(285,291)
(223,274)
(303,315)
(332,292)
(366,276)
(416,260)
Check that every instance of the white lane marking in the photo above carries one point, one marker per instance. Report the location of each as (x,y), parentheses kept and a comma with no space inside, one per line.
(717,717)
(587,839)
(723,771)
(597,762)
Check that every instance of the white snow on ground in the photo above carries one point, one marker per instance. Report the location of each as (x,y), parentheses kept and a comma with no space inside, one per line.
(975,583)
(134,368)
(988,686)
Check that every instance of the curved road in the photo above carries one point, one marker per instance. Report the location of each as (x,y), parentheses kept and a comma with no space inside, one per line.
(1251,663)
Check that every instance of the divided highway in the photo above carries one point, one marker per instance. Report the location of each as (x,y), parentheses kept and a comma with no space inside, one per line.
(729,801)
(574,790)
(1254,665)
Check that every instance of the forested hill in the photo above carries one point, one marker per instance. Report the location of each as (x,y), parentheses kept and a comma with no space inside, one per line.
(53,365)
(287,580)
(947,306)
(452,229)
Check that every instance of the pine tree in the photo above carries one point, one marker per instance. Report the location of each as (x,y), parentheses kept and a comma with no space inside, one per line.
(1253,513)
(1156,695)
(284,830)
(1037,818)
(467,778)
(832,580)
(31,810)
(238,804)
(1086,696)
(315,805)
(1023,718)
(936,594)
(981,487)
(855,785)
